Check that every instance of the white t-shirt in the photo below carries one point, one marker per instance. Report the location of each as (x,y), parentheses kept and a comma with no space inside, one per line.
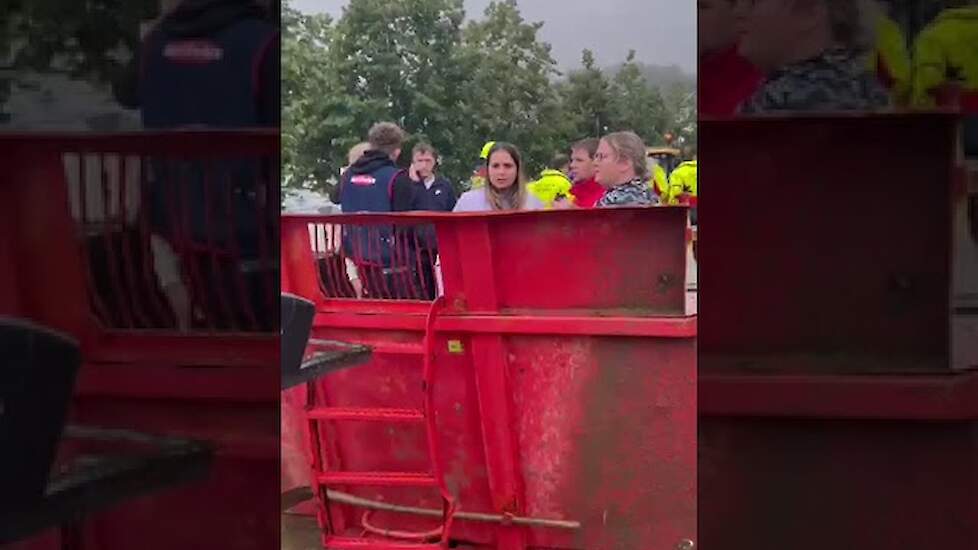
(476,201)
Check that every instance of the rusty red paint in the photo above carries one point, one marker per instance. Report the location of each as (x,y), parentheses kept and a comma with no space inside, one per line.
(829,411)
(541,397)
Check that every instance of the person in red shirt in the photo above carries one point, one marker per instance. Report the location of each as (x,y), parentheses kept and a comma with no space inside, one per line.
(587,192)
(726,79)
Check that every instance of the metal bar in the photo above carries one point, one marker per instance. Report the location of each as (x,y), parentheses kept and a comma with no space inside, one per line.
(235,261)
(263,205)
(348,543)
(391,348)
(492,387)
(183,234)
(431,424)
(222,300)
(119,301)
(386,293)
(185,350)
(378,479)
(679,327)
(345,498)
(135,298)
(366,414)
(375,307)
(316,464)
(420,269)
(926,397)
(251,385)
(158,308)
(399,258)
(101,311)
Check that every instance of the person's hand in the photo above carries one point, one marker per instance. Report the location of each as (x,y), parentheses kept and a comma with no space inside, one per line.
(563,203)
(413,173)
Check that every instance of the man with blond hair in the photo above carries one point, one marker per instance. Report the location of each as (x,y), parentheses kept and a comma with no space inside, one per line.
(620,167)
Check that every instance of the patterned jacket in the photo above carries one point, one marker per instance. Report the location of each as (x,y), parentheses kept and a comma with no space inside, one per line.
(837,80)
(633,193)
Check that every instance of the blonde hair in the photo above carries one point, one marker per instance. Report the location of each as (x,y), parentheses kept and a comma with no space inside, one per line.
(497,198)
(357,151)
(630,147)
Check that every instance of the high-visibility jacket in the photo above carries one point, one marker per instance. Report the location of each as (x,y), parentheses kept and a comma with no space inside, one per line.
(484,154)
(682,181)
(891,61)
(552,183)
(945,52)
(478,178)
(660,182)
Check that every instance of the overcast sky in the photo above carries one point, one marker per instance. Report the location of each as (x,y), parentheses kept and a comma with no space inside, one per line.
(662,32)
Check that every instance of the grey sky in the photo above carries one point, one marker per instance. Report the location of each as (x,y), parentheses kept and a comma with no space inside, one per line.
(662,32)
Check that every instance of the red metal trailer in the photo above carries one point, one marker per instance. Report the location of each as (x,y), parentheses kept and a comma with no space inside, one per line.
(551,388)
(76,255)
(838,396)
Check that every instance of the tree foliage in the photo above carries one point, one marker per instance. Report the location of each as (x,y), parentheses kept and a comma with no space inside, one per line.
(87,40)
(456,84)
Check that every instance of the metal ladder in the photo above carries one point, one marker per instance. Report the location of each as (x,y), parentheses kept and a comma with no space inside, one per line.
(323,479)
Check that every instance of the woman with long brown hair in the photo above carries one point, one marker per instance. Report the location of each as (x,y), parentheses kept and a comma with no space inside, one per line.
(506,185)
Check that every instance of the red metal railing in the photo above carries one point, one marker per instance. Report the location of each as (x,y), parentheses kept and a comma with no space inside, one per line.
(79,215)
(546,316)
(110,220)
(376,262)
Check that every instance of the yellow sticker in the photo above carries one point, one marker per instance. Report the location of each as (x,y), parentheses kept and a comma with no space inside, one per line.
(455,346)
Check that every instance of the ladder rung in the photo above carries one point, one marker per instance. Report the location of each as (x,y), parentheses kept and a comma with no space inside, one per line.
(366,414)
(349,543)
(385,479)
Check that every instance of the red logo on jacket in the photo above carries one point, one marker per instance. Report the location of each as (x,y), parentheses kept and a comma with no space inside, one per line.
(193,52)
(363,179)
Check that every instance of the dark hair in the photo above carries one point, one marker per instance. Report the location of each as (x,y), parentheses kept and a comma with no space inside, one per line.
(385,136)
(558,161)
(423,147)
(590,145)
(494,196)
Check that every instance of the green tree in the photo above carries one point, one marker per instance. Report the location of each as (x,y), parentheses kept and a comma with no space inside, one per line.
(87,40)
(509,91)
(635,105)
(680,110)
(414,63)
(312,108)
(587,98)
(397,61)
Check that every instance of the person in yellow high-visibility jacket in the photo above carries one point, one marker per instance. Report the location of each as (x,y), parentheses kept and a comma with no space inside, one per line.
(891,59)
(945,66)
(478,178)
(659,182)
(682,181)
(682,184)
(553,185)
